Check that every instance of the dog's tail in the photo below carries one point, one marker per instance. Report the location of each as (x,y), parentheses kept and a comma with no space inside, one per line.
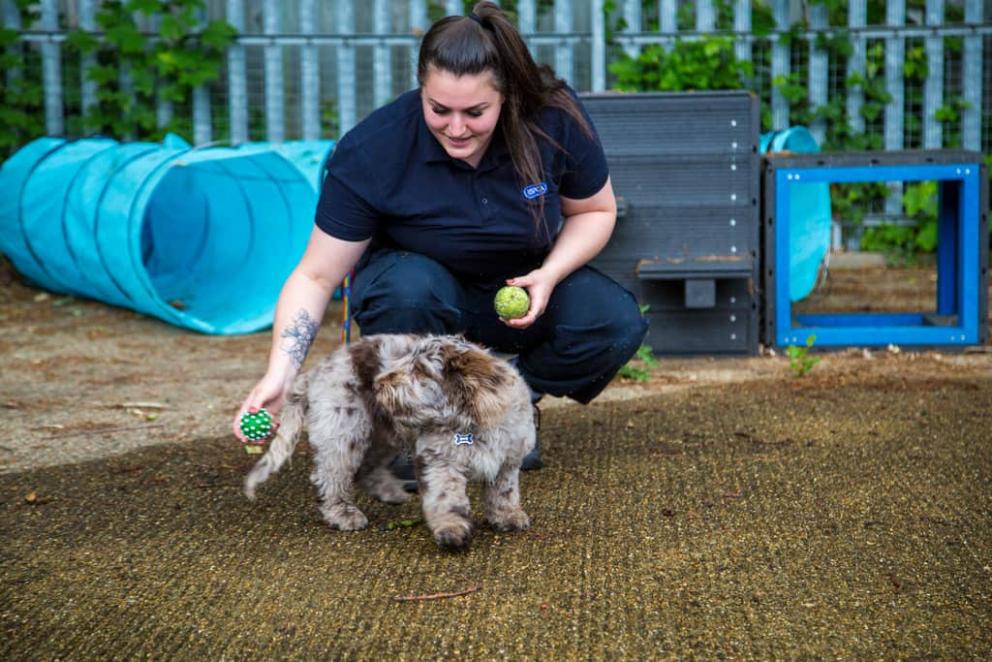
(281,448)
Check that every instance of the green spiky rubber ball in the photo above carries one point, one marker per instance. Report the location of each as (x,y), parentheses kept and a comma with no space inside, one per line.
(511,302)
(256,427)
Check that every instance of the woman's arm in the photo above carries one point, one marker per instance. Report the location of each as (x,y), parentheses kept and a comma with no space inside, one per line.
(587,227)
(299,312)
(304,298)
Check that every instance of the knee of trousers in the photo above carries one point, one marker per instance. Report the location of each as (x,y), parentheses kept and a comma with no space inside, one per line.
(618,339)
(407,297)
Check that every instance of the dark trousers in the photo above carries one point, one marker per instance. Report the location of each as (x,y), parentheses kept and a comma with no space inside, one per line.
(590,329)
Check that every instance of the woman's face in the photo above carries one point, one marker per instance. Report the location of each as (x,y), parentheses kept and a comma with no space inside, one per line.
(461,112)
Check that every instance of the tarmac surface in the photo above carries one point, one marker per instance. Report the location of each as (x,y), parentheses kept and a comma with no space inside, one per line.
(772,519)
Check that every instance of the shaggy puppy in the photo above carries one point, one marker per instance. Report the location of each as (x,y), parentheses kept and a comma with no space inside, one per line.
(463,413)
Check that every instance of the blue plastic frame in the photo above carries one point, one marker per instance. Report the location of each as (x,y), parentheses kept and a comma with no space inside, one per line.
(958,260)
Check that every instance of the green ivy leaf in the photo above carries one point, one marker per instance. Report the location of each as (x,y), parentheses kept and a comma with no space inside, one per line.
(218,35)
(127,38)
(170,29)
(102,74)
(146,7)
(82,42)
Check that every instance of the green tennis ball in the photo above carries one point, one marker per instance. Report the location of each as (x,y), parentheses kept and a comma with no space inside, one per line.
(256,427)
(511,302)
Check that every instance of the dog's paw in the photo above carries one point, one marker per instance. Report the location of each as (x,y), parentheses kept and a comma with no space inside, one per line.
(345,517)
(454,536)
(391,493)
(516,520)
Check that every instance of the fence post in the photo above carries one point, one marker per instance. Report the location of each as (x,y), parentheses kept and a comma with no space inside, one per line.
(895,53)
(598,47)
(202,123)
(705,18)
(780,66)
(632,16)
(163,106)
(309,74)
(346,69)
(12,21)
(933,91)
(88,88)
(51,62)
(418,26)
(275,123)
(818,63)
(742,26)
(971,79)
(668,24)
(856,19)
(527,21)
(563,51)
(237,86)
(382,70)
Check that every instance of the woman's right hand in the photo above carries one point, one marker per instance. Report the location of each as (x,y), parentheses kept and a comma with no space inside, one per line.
(269,393)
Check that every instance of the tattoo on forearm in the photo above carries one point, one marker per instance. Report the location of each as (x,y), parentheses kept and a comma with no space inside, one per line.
(298,337)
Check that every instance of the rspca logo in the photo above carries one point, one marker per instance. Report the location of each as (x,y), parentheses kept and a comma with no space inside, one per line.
(466,439)
(535,190)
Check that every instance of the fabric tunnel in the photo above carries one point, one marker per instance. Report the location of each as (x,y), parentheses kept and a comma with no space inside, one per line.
(809,214)
(202,238)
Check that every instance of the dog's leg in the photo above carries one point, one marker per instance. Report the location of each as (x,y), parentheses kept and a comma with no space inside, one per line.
(445,502)
(501,500)
(376,478)
(335,464)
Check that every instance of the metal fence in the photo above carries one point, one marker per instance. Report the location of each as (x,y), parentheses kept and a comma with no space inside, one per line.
(309,69)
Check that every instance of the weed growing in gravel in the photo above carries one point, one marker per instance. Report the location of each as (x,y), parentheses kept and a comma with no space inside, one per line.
(639,368)
(799,359)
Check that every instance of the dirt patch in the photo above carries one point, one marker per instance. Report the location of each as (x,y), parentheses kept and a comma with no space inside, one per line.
(78,375)
(723,509)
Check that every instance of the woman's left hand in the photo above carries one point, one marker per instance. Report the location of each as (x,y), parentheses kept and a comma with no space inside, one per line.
(539,285)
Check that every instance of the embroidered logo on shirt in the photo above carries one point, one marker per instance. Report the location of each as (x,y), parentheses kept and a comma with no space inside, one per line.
(535,190)
(464,439)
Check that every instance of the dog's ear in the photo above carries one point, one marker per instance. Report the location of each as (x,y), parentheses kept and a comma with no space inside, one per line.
(478,382)
(391,392)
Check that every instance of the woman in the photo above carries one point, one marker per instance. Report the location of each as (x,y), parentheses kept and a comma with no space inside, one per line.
(489,174)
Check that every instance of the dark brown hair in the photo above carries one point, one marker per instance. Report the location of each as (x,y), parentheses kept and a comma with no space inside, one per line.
(489,41)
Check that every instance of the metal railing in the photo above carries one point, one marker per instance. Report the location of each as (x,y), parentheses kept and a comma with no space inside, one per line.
(294,64)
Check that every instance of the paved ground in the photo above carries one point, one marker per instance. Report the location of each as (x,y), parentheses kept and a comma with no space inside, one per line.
(841,515)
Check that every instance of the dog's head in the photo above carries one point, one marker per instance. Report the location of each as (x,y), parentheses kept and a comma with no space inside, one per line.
(441,377)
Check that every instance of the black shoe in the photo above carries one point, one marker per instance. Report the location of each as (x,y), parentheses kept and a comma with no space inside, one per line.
(532,461)
(402,468)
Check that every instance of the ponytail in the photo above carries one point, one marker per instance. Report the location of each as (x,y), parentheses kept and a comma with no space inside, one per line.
(487,40)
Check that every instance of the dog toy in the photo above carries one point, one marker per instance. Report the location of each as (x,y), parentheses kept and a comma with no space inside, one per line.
(256,427)
(511,302)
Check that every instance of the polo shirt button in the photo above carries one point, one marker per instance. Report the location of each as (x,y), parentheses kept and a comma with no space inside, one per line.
(485,201)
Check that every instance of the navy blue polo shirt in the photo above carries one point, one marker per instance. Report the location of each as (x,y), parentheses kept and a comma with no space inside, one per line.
(390,179)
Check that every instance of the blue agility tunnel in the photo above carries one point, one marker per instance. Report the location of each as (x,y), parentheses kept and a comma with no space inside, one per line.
(202,238)
(809,214)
